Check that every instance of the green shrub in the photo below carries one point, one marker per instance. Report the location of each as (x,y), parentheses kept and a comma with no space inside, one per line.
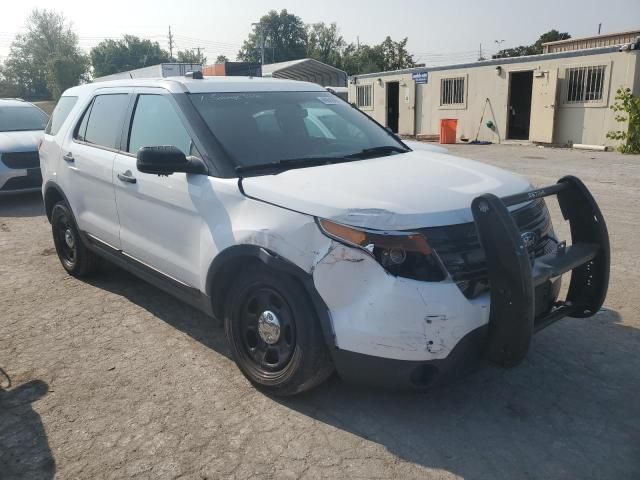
(627,108)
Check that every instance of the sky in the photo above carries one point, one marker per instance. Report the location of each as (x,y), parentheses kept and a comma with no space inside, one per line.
(439,32)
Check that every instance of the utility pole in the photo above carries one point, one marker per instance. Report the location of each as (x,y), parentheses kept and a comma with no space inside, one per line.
(199,57)
(170,44)
(599,28)
(480,57)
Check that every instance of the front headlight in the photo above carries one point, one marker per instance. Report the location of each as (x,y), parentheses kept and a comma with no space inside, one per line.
(404,254)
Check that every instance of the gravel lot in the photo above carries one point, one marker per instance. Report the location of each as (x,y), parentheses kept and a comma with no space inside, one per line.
(112,378)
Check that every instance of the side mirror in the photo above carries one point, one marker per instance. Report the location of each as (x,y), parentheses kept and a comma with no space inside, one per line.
(167,159)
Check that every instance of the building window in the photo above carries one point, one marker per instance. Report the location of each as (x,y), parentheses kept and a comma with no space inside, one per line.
(452,91)
(585,84)
(364,96)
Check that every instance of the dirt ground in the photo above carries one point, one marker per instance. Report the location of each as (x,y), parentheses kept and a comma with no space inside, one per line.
(111,378)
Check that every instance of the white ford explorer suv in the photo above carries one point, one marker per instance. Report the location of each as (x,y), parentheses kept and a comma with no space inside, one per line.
(317,236)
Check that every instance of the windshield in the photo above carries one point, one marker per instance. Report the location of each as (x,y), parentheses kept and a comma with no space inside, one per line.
(16,119)
(258,128)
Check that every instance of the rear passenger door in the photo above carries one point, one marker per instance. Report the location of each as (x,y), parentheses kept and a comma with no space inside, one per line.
(160,225)
(89,153)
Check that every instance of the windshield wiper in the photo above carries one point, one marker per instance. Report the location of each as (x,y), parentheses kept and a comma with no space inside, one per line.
(378,151)
(303,162)
(290,163)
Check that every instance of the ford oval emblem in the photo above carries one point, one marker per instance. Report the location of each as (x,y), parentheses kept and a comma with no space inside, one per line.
(529,239)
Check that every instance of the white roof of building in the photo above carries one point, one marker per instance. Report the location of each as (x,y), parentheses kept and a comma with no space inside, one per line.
(496,61)
(307,69)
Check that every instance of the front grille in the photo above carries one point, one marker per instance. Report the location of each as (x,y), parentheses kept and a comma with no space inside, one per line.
(33,179)
(459,247)
(21,160)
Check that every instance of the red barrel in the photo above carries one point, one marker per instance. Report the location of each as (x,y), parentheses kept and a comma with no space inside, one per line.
(448,128)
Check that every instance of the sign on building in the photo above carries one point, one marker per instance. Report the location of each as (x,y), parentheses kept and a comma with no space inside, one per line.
(420,77)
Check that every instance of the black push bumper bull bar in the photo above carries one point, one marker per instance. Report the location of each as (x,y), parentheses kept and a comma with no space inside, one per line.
(514,275)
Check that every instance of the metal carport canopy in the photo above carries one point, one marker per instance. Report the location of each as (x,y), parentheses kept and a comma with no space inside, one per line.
(309,70)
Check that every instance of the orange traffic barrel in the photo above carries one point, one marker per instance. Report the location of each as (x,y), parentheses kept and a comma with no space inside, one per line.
(448,128)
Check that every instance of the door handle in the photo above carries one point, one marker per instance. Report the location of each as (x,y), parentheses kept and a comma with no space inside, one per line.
(68,157)
(126,177)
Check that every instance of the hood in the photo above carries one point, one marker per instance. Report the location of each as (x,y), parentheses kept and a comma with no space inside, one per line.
(411,190)
(20,141)
(429,147)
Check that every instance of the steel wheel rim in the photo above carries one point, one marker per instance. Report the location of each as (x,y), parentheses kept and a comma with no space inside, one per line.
(66,240)
(267,357)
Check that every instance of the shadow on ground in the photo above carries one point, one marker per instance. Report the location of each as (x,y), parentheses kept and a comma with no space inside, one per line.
(185,318)
(24,448)
(569,411)
(21,205)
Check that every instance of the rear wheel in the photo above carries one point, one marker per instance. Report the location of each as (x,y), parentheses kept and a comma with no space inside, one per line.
(76,259)
(274,333)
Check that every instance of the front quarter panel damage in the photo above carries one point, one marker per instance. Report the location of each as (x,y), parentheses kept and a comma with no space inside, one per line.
(375,313)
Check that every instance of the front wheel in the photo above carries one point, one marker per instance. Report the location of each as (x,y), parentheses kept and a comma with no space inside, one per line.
(75,257)
(274,333)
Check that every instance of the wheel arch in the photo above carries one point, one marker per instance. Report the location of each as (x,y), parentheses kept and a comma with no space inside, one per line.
(52,195)
(232,260)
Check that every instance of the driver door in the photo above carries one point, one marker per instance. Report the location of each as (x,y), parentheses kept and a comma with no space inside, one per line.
(159,221)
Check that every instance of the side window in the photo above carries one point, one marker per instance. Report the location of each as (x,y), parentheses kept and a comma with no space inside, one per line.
(60,114)
(155,122)
(81,129)
(105,120)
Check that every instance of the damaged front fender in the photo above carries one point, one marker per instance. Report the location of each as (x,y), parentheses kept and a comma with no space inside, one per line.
(375,313)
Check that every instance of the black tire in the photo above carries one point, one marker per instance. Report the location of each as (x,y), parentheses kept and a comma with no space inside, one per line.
(75,257)
(298,360)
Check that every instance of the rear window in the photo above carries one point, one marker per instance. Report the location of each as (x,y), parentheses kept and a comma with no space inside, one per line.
(60,114)
(22,118)
(102,122)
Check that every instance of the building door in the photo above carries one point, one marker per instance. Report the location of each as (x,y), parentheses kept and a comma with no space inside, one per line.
(543,108)
(519,110)
(393,105)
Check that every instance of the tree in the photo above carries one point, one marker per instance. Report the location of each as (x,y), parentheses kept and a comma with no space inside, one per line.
(536,48)
(64,72)
(129,53)
(8,89)
(221,59)
(325,44)
(284,36)
(191,56)
(395,55)
(627,108)
(363,59)
(388,55)
(46,60)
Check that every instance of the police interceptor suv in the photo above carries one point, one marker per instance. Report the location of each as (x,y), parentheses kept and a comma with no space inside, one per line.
(320,239)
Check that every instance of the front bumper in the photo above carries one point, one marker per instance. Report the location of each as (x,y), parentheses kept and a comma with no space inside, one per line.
(360,369)
(15,180)
(399,332)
